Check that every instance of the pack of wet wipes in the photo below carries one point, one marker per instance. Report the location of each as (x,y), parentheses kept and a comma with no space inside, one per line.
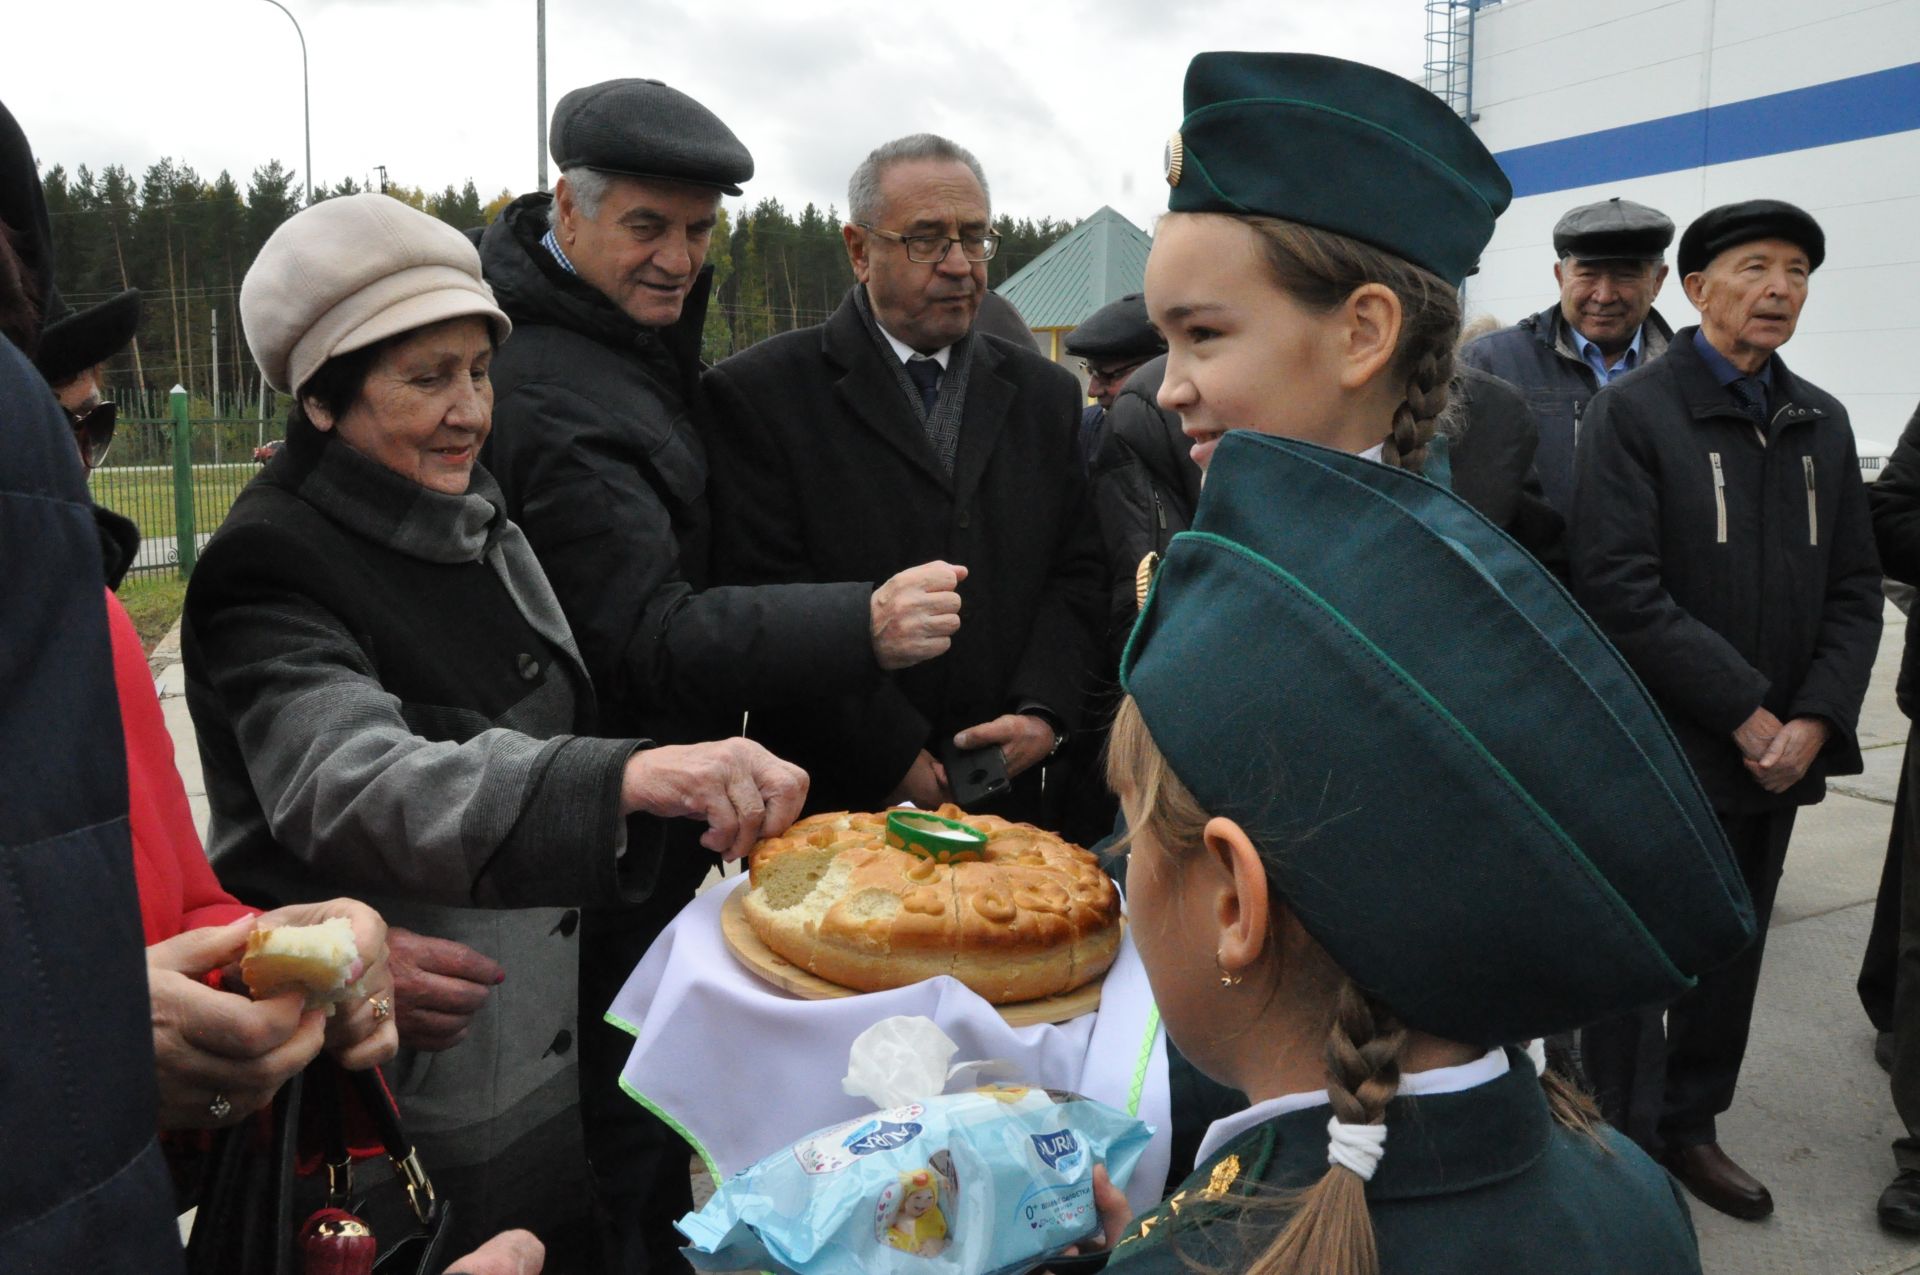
(996,1178)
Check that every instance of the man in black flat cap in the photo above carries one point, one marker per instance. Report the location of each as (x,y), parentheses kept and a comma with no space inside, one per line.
(597,446)
(1111,345)
(1610,266)
(1721,538)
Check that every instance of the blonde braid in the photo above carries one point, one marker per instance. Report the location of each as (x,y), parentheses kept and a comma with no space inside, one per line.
(1330,1232)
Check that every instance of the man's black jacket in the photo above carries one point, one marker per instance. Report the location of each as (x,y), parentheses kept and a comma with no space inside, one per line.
(822,471)
(597,447)
(1536,357)
(1731,572)
(1494,442)
(1895,501)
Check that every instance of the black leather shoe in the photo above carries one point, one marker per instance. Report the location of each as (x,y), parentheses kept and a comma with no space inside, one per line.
(1883,1051)
(1718,1182)
(1899,1206)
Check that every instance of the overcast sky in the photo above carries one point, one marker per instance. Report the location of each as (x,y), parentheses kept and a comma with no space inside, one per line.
(1066,113)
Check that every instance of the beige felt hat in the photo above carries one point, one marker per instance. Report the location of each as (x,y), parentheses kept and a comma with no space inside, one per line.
(343,274)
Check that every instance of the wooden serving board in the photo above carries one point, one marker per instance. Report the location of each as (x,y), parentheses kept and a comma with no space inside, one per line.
(788,977)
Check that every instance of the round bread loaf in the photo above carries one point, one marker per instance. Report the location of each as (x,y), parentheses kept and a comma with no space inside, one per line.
(1034,917)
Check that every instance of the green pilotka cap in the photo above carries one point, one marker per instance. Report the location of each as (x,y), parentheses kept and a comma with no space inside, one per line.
(1458,784)
(1338,145)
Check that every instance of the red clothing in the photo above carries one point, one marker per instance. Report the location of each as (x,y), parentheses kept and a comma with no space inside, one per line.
(178,891)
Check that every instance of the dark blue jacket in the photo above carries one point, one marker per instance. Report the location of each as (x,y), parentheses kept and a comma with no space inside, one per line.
(1732,573)
(1537,356)
(82,1184)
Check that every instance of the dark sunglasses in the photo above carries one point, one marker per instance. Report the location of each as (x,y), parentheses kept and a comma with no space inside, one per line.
(93,431)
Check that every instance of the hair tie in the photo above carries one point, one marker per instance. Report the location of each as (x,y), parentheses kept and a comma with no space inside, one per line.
(1537,1051)
(1356,1146)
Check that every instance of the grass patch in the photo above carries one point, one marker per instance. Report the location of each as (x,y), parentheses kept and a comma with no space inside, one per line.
(154,602)
(145,493)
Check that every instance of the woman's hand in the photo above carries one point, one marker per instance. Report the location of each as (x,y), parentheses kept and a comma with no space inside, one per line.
(219,1056)
(743,791)
(438,986)
(1116,1215)
(363,1031)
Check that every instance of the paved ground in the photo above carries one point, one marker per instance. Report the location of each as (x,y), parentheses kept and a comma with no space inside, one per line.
(1813,1119)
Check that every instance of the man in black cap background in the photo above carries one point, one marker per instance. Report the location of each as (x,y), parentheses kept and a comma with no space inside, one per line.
(897,432)
(1610,267)
(597,446)
(1113,342)
(1720,537)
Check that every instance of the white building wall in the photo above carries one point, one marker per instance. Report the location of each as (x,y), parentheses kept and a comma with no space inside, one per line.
(1548,70)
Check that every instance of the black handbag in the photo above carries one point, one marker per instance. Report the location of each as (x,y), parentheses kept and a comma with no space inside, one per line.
(255,1200)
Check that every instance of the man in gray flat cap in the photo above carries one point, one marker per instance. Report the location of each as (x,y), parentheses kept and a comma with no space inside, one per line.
(1610,265)
(597,445)
(1721,538)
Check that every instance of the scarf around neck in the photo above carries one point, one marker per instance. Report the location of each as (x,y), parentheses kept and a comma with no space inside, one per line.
(942,425)
(373,501)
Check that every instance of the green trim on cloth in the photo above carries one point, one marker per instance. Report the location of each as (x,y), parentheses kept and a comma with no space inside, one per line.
(713,1169)
(622,1024)
(1142,1063)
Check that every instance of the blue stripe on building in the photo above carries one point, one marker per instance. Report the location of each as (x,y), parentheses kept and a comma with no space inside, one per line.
(1848,110)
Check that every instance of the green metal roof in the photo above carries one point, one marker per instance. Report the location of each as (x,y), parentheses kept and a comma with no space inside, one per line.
(1100,260)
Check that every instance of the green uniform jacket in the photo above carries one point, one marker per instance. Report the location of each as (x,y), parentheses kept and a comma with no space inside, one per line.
(1478,1182)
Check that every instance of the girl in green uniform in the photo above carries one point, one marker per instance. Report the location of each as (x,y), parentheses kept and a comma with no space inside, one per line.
(1398,811)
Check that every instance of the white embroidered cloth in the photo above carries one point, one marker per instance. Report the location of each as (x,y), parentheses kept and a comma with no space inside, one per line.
(743,1069)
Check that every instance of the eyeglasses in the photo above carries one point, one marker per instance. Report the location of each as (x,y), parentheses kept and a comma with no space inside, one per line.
(931,250)
(1111,372)
(93,430)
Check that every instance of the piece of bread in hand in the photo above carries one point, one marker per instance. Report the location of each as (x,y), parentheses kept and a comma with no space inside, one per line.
(317,959)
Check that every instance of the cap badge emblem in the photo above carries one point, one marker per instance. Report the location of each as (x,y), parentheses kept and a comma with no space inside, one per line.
(1174,158)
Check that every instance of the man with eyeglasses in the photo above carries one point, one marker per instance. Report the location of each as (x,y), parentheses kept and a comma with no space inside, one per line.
(1111,345)
(897,432)
(1610,264)
(72,357)
(73,352)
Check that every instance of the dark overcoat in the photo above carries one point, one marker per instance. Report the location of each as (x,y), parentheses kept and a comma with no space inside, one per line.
(1537,357)
(82,1184)
(596,445)
(821,470)
(1895,501)
(1732,570)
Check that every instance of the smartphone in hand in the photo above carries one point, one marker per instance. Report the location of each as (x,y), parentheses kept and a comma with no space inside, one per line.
(974,775)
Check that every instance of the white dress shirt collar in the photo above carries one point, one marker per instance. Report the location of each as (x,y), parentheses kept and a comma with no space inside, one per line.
(1490,1066)
(907,353)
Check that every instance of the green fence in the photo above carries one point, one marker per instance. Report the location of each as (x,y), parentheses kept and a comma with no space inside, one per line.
(148,479)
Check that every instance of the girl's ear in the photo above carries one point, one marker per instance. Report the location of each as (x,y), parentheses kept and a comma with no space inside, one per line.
(1243,906)
(1370,322)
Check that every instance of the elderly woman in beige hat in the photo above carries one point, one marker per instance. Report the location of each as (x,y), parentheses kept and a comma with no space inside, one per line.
(389,703)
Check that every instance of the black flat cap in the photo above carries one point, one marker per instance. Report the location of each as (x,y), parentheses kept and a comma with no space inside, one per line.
(1118,329)
(71,345)
(1731,225)
(1613,230)
(642,128)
